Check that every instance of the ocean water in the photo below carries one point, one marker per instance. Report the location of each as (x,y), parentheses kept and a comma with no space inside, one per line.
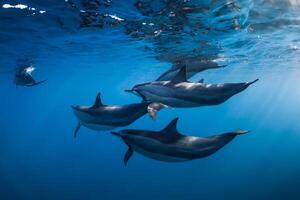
(131,42)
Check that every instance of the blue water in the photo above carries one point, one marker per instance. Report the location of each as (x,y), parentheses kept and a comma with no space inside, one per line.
(40,159)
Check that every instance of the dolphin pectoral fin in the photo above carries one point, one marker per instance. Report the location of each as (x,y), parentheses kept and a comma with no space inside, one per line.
(39,82)
(36,83)
(129,151)
(128,155)
(77,129)
(241,132)
(153,108)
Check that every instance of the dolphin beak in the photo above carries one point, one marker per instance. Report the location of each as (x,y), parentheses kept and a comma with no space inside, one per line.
(116,133)
(133,91)
(129,90)
(241,132)
(74,108)
(137,93)
(250,83)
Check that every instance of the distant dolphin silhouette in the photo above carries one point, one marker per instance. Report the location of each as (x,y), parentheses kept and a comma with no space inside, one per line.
(23,77)
(102,117)
(192,67)
(178,92)
(171,146)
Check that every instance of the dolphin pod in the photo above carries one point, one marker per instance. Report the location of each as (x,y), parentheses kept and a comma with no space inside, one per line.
(178,92)
(102,117)
(170,90)
(169,145)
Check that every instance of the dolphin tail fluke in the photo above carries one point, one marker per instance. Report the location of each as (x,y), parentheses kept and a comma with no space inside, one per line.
(250,83)
(77,129)
(154,108)
(241,132)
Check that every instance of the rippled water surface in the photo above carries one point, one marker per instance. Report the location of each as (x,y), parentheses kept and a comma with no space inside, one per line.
(85,46)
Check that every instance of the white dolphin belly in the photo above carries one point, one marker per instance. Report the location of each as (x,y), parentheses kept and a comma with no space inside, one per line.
(84,117)
(86,120)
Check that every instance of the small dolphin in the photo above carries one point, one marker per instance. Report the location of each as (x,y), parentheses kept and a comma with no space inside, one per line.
(178,92)
(192,67)
(171,146)
(102,117)
(23,77)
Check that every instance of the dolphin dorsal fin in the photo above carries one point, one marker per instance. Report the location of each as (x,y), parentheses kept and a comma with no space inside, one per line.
(98,102)
(201,80)
(180,76)
(170,131)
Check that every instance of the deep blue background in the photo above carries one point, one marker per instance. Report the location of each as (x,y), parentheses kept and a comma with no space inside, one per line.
(40,159)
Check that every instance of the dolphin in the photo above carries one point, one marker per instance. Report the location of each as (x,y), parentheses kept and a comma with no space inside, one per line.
(169,145)
(192,67)
(102,117)
(179,92)
(23,77)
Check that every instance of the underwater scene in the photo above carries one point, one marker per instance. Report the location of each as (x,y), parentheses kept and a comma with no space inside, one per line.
(150,99)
